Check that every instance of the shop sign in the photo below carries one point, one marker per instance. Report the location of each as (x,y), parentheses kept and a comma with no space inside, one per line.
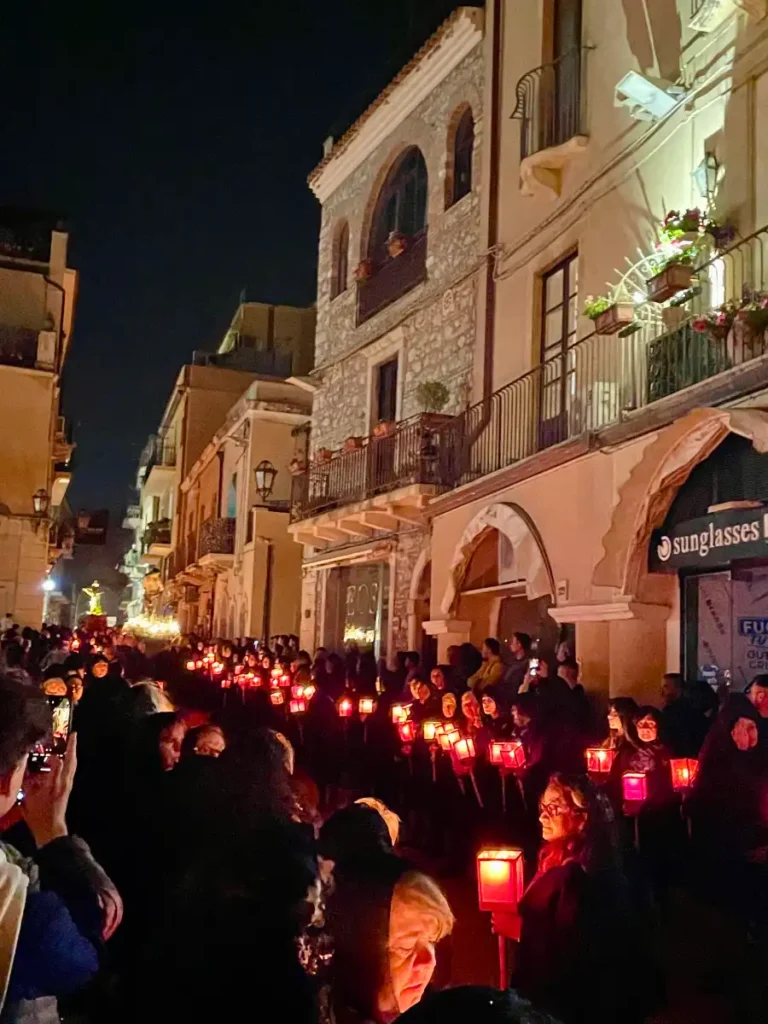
(711,541)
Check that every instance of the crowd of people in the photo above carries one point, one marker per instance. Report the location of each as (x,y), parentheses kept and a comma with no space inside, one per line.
(219,830)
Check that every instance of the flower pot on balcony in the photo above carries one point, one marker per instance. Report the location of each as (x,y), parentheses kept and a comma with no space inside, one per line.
(297,466)
(323,455)
(397,243)
(364,270)
(611,320)
(385,428)
(674,278)
(353,444)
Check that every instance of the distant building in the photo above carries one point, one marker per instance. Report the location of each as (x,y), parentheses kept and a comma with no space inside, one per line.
(37,301)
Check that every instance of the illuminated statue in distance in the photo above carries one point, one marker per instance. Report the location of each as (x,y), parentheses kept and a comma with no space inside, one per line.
(94,597)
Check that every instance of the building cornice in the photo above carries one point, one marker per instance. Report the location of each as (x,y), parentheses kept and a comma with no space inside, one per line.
(444,51)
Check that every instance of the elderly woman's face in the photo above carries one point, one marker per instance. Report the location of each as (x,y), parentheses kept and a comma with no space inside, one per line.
(744,734)
(171,739)
(210,743)
(470,706)
(449,705)
(489,706)
(559,819)
(646,729)
(411,957)
(99,669)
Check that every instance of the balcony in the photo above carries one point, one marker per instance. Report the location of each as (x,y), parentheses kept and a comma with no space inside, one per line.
(636,380)
(551,110)
(158,451)
(384,482)
(393,279)
(27,348)
(216,547)
(709,15)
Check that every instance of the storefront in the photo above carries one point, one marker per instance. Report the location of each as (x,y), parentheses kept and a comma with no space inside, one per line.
(357,607)
(721,558)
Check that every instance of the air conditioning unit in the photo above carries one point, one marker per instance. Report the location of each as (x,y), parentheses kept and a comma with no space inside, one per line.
(647,99)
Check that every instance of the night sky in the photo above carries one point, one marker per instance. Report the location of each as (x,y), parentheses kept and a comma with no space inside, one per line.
(176,147)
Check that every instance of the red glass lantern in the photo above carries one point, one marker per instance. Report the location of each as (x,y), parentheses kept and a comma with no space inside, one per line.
(198,664)
(366,706)
(684,772)
(309,691)
(297,690)
(217,668)
(444,739)
(464,750)
(634,787)
(599,759)
(238,669)
(507,753)
(298,706)
(277,698)
(345,708)
(407,731)
(499,879)
(285,679)
(429,730)
(191,665)
(400,713)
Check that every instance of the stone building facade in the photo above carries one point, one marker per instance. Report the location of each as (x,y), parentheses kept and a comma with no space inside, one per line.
(421,330)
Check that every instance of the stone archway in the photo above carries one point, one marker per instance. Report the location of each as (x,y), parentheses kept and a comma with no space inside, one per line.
(648,492)
(529,552)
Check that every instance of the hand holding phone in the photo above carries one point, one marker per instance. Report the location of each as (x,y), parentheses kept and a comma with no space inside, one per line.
(46,796)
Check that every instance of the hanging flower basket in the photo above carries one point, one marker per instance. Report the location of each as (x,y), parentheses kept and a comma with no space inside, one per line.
(353,444)
(611,320)
(384,429)
(297,467)
(674,278)
(323,454)
(397,243)
(364,270)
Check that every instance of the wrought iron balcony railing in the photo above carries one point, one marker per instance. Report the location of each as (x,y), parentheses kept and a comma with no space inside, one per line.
(158,451)
(393,279)
(418,451)
(217,537)
(550,103)
(602,379)
(157,533)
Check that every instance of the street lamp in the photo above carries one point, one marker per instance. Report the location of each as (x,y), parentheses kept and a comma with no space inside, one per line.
(40,501)
(48,585)
(265,474)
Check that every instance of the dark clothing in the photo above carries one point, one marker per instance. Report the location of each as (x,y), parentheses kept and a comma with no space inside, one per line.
(578,956)
(683,728)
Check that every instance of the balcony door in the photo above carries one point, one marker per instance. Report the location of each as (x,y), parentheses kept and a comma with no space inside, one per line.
(560,315)
(382,450)
(562,92)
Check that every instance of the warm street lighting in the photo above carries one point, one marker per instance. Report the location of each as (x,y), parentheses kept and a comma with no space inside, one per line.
(48,585)
(265,474)
(499,879)
(684,772)
(40,501)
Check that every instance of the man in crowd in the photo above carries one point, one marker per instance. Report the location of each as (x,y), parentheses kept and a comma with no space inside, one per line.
(492,669)
(683,728)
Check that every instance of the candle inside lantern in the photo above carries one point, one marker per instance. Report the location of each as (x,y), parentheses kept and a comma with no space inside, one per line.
(599,759)
(366,706)
(464,749)
(276,696)
(309,691)
(508,753)
(634,786)
(429,729)
(298,706)
(285,680)
(407,731)
(190,666)
(297,690)
(344,708)
(684,772)
(399,713)
(499,879)
(217,668)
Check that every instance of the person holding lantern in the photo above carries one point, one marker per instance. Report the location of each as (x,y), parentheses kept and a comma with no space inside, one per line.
(580,947)
(426,701)
(497,718)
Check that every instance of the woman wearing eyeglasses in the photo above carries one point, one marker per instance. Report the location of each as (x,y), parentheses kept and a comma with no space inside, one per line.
(580,944)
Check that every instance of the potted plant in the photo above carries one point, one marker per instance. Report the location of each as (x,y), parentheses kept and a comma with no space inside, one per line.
(297,465)
(608,315)
(364,270)
(432,395)
(672,266)
(323,454)
(353,443)
(384,428)
(397,243)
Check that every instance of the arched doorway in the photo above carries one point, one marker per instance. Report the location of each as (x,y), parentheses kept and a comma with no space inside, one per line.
(501,580)
(418,612)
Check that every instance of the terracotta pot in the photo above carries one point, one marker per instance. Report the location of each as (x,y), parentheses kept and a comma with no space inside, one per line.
(364,270)
(323,454)
(611,320)
(297,467)
(384,429)
(674,278)
(353,444)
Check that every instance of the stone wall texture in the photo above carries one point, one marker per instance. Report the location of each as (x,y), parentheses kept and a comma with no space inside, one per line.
(433,325)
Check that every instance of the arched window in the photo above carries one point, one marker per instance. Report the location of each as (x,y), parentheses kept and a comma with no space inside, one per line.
(460,176)
(401,206)
(340,259)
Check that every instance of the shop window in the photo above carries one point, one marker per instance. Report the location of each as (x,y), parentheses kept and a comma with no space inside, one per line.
(560,317)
